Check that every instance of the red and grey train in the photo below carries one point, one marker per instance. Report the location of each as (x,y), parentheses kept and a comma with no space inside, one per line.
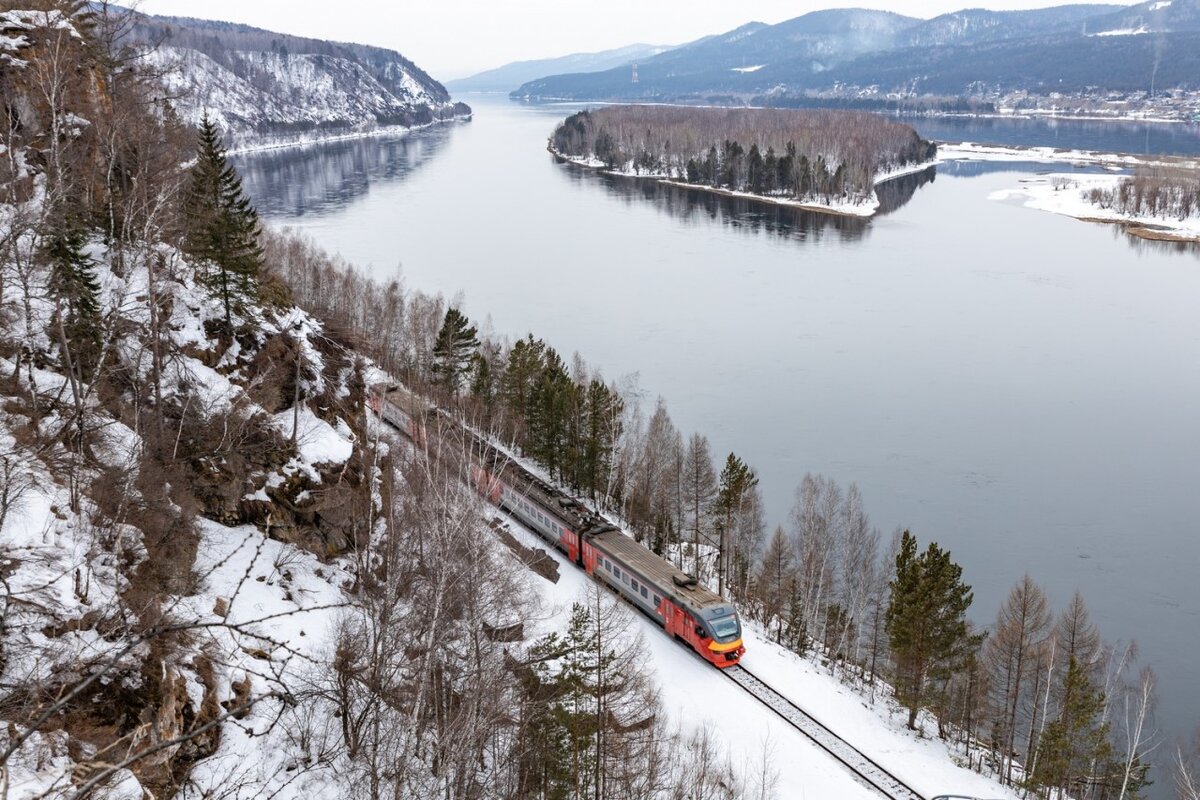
(688,611)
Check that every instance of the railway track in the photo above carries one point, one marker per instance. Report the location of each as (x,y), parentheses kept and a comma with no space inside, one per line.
(864,769)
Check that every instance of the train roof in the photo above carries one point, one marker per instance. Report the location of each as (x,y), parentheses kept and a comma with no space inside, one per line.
(658,570)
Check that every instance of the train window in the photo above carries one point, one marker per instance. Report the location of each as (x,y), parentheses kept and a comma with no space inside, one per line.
(617,571)
(644,593)
(657,601)
(634,584)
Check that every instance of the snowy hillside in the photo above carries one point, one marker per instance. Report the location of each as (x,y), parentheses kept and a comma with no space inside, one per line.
(264,87)
(698,698)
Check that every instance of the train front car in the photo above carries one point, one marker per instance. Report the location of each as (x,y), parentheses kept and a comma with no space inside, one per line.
(723,630)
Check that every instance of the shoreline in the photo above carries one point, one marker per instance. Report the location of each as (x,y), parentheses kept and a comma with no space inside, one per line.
(1063,194)
(385,131)
(972,151)
(864,211)
(1025,114)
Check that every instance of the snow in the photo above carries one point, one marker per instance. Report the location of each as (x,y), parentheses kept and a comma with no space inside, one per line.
(1161,4)
(307,92)
(969,151)
(755,68)
(1124,32)
(1065,194)
(695,695)
(289,603)
(318,441)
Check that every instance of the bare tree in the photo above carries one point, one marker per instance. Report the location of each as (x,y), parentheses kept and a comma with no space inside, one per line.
(699,488)
(1022,625)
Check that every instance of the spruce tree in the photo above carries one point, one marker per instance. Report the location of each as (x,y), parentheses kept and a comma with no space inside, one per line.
(455,348)
(75,291)
(222,226)
(926,621)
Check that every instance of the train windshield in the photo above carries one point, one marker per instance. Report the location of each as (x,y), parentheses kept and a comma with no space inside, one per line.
(725,628)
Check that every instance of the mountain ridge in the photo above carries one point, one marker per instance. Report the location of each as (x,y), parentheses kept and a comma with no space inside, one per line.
(854,53)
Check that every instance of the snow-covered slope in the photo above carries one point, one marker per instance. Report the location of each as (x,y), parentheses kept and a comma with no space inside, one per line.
(263,86)
(698,697)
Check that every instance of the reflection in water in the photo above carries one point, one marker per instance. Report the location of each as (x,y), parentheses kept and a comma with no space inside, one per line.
(748,215)
(1156,246)
(295,181)
(973,169)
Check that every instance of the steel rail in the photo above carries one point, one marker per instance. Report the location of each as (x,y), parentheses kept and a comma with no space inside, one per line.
(865,770)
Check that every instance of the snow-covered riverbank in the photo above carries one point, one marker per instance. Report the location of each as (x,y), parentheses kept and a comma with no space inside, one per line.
(846,207)
(970,151)
(1066,194)
(314,139)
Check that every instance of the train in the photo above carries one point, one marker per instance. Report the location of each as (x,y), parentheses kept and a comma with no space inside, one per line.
(676,601)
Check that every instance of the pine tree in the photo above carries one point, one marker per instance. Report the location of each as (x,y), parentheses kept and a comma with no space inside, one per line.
(1075,740)
(526,361)
(926,621)
(600,430)
(455,348)
(223,230)
(75,291)
(549,418)
(737,482)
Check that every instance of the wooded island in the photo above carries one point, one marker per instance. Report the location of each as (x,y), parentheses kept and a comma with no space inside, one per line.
(825,159)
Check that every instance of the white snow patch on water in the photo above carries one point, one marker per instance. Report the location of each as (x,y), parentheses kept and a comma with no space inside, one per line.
(755,68)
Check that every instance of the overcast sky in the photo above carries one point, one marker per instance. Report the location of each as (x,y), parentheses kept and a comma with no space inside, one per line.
(455,38)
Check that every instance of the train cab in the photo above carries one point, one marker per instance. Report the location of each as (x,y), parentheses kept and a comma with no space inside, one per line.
(722,629)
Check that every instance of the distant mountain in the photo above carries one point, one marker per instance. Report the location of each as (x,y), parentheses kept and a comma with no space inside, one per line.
(966,53)
(1155,16)
(264,86)
(510,76)
(728,61)
(975,25)
(1043,65)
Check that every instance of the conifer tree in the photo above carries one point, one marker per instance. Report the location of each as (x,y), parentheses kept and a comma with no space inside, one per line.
(926,621)
(75,291)
(1078,738)
(455,348)
(737,482)
(601,426)
(526,361)
(222,225)
(550,412)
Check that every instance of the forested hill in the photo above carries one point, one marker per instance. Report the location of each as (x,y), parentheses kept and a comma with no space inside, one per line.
(857,53)
(829,158)
(260,85)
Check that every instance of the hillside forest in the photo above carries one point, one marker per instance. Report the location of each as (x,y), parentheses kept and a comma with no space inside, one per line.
(222,577)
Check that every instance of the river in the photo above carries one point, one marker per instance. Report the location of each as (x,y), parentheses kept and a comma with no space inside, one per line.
(1019,386)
